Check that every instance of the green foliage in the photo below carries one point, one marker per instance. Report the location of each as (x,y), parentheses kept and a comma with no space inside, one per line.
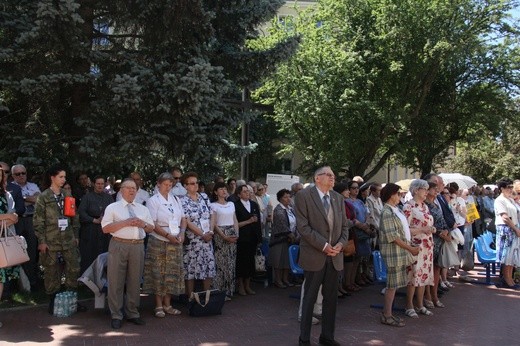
(376,78)
(117,86)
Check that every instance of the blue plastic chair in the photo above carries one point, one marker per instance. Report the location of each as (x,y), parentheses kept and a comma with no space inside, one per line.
(294,251)
(485,257)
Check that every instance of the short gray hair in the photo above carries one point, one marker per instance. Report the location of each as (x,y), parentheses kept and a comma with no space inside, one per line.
(165,176)
(418,184)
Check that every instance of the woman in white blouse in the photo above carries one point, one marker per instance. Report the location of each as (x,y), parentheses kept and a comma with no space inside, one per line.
(226,230)
(508,232)
(283,233)
(163,267)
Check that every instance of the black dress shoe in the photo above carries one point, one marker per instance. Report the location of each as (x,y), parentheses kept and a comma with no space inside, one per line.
(303,343)
(328,342)
(116,324)
(138,321)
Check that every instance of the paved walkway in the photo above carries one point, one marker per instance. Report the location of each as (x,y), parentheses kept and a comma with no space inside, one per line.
(474,315)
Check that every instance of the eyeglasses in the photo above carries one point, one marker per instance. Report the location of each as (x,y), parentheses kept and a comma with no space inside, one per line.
(354,187)
(330,175)
(509,186)
(19,174)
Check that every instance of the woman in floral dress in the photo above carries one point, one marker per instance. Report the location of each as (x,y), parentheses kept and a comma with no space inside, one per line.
(199,261)
(7,215)
(421,228)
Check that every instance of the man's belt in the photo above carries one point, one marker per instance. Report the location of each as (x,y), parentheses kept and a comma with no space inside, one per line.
(128,241)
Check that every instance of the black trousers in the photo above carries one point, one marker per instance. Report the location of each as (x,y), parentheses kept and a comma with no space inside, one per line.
(328,278)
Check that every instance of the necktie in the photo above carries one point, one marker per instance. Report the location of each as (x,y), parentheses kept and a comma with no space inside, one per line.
(131,211)
(326,204)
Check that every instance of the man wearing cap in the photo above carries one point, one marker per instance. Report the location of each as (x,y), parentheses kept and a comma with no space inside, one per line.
(127,222)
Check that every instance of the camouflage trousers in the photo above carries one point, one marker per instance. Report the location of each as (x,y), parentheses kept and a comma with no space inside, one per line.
(54,266)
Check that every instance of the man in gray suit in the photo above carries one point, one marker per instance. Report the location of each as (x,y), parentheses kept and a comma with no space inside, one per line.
(323,226)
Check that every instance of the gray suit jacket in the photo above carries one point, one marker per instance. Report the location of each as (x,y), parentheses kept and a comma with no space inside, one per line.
(312,224)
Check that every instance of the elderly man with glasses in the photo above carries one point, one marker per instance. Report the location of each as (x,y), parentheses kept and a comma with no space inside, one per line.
(128,221)
(24,227)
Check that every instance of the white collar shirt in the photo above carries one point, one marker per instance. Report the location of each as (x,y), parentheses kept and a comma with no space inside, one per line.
(118,211)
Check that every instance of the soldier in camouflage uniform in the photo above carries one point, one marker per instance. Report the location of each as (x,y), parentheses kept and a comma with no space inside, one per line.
(57,234)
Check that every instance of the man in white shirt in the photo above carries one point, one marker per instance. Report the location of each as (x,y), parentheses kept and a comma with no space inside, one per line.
(24,227)
(142,196)
(128,222)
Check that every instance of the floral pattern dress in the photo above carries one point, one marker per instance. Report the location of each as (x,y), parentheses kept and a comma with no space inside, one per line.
(199,260)
(418,215)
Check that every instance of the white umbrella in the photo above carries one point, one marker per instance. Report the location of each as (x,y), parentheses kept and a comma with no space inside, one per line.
(404,184)
(464,181)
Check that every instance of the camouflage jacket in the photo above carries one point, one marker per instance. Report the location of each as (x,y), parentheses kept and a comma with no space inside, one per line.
(45,221)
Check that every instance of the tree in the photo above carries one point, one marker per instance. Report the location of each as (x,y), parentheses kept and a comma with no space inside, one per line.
(372,75)
(120,85)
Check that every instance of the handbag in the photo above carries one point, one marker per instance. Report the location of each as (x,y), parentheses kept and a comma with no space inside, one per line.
(457,235)
(69,207)
(448,256)
(206,303)
(259,261)
(468,261)
(350,248)
(13,248)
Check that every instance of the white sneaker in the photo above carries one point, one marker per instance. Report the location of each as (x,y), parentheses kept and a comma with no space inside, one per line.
(449,284)
(383,291)
(443,285)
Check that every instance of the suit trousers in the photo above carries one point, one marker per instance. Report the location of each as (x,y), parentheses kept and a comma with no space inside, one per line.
(327,278)
(125,266)
(317,306)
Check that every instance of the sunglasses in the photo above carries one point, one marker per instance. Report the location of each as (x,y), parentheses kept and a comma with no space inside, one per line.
(19,174)
(192,183)
(176,178)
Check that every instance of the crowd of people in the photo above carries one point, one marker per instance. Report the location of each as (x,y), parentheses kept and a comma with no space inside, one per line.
(163,243)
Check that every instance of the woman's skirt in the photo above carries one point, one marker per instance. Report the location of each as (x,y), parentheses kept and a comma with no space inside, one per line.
(507,245)
(163,268)
(279,256)
(225,261)
(397,277)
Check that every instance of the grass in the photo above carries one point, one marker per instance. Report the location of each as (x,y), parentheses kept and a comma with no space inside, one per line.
(20,298)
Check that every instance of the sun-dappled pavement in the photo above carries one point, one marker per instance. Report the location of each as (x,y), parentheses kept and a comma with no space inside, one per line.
(474,315)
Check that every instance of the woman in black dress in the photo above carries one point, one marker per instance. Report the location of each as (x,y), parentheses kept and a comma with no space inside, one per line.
(249,236)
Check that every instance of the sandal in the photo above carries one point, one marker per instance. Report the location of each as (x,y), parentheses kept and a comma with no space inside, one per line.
(159,312)
(392,321)
(428,304)
(438,304)
(411,313)
(424,311)
(171,311)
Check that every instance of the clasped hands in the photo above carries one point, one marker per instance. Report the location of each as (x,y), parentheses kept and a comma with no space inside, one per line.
(136,222)
(333,250)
